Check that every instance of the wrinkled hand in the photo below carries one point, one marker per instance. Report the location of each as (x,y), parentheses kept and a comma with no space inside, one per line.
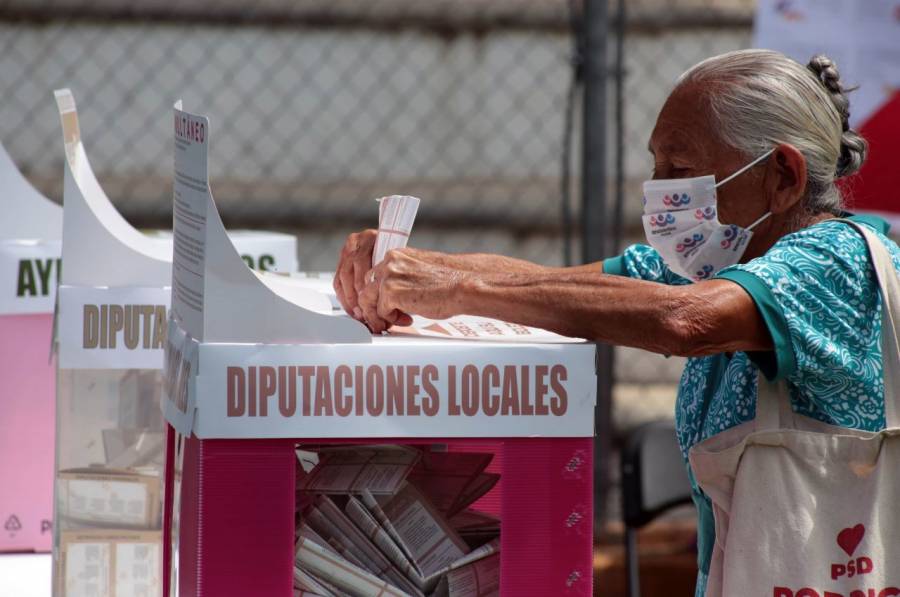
(406,283)
(354,263)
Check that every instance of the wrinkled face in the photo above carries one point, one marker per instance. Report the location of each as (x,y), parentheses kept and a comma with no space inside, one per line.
(685,145)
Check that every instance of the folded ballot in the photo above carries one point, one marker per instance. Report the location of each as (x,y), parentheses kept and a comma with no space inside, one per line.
(102,497)
(380,469)
(454,481)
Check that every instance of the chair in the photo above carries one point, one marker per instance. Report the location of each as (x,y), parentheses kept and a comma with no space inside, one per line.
(654,480)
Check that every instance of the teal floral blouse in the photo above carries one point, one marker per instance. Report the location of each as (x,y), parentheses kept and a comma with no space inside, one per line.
(817,293)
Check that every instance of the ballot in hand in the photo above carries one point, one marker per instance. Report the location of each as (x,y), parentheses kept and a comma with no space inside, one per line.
(354,265)
(365,250)
(382,282)
(409,282)
(354,274)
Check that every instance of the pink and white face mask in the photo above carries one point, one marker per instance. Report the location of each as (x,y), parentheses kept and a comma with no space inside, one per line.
(681,222)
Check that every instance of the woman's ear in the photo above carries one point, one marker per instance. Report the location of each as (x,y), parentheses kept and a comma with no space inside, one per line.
(785,178)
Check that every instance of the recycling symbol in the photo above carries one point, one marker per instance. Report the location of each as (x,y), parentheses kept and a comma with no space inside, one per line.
(12,524)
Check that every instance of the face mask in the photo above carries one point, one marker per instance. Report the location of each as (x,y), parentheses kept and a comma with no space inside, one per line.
(681,222)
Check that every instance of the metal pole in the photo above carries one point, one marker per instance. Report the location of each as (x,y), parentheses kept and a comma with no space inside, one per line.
(595,235)
(619,132)
(595,231)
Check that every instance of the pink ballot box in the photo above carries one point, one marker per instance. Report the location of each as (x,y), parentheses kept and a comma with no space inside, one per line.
(307,457)
(29,266)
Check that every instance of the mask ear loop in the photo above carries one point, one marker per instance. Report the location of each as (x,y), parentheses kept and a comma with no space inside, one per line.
(759,221)
(745,168)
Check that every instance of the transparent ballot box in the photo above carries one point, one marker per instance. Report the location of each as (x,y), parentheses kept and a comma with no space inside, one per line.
(111,448)
(109,483)
(308,457)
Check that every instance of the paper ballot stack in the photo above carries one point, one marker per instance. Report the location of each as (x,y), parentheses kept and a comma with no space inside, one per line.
(381,520)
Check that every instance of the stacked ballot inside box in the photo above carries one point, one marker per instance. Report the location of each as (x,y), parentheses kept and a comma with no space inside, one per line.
(399,518)
(30,232)
(310,457)
(111,332)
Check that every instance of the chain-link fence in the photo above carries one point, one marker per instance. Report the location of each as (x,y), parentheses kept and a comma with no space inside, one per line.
(318,107)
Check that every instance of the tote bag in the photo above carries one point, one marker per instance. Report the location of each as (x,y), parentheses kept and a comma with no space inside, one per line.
(802,508)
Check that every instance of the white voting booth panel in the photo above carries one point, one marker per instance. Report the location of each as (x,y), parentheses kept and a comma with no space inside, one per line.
(30,232)
(112,318)
(251,370)
(261,250)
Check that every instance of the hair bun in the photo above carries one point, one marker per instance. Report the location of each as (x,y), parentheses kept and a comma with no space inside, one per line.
(853,147)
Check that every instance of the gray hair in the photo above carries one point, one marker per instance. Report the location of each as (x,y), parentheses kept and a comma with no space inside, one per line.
(760,98)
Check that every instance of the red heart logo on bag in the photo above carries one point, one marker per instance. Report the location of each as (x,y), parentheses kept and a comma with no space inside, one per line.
(849,538)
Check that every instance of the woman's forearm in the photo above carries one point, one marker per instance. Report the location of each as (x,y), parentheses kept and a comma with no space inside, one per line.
(590,306)
(500,264)
(687,320)
(484,262)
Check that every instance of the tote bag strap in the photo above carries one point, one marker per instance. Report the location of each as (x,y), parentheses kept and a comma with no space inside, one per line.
(889,284)
(773,405)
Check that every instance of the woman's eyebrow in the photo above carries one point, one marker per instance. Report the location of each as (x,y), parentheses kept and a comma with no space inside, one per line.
(670,148)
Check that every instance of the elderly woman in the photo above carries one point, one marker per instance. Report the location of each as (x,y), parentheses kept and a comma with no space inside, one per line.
(760,277)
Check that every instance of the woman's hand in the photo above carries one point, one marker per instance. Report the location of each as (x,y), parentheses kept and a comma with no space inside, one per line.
(407,281)
(354,263)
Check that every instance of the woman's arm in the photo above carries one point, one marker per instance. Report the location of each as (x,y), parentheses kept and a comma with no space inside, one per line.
(356,260)
(693,320)
(496,264)
(478,262)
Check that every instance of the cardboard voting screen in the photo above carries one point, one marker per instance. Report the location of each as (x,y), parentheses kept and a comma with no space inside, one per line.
(101,248)
(246,361)
(215,296)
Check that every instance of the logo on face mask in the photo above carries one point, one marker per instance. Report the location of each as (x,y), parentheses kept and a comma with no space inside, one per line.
(689,243)
(676,200)
(662,220)
(731,234)
(706,213)
(704,273)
